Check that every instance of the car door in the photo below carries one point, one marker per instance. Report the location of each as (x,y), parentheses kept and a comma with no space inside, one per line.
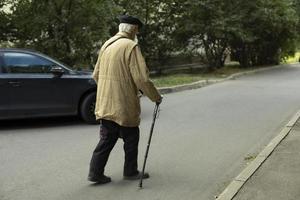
(4,91)
(33,89)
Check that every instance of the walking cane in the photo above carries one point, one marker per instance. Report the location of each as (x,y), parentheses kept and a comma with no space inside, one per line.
(148,145)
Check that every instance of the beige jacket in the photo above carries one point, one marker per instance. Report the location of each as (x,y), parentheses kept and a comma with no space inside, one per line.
(120,73)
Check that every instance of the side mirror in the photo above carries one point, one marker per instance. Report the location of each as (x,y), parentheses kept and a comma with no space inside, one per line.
(57,71)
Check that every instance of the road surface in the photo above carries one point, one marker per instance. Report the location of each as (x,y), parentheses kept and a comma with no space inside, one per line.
(199,145)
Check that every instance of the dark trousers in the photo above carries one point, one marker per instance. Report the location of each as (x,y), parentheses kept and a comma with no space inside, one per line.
(109,134)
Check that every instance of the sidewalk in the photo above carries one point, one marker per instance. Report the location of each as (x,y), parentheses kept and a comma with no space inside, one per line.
(279,176)
(203,83)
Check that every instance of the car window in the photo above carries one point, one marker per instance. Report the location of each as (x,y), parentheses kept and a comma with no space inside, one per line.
(25,63)
(1,63)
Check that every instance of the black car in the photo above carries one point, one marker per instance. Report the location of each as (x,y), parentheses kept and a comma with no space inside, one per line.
(35,85)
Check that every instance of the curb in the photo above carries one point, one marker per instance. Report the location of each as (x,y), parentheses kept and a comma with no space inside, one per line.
(233,188)
(203,83)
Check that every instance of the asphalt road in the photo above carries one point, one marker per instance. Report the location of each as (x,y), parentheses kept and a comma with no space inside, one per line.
(200,143)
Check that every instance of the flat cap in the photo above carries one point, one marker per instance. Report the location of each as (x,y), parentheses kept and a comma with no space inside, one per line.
(131,20)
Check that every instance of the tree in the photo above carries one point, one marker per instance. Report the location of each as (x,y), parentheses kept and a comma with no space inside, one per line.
(268,32)
(256,32)
(70,30)
(157,38)
(4,23)
(209,25)
(296,5)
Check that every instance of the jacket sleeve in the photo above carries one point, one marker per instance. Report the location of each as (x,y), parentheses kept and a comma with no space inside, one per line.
(96,69)
(140,75)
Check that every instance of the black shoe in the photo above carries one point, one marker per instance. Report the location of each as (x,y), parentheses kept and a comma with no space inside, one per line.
(137,176)
(100,180)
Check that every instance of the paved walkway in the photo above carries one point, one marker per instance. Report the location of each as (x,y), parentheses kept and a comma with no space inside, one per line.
(279,176)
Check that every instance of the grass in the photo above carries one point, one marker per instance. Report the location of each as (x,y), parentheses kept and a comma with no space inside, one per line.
(249,158)
(293,59)
(185,76)
(176,79)
(189,76)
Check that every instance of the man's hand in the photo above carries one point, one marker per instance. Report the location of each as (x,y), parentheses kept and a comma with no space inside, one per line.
(160,100)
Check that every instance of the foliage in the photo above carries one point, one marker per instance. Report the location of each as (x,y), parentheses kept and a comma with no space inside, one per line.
(296,5)
(4,23)
(293,59)
(269,32)
(211,24)
(69,30)
(256,32)
(157,38)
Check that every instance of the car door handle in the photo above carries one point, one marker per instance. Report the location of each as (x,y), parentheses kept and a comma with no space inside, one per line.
(15,83)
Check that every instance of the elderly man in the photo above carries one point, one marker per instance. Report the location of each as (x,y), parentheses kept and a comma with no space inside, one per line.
(120,73)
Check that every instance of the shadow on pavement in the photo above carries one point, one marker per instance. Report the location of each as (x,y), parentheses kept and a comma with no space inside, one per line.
(40,123)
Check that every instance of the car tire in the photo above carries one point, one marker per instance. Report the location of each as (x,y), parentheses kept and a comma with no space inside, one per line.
(87,108)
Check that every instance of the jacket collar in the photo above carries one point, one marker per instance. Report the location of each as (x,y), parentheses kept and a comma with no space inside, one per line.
(123,34)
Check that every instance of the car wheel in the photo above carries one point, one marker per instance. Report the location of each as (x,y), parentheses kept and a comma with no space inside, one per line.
(87,109)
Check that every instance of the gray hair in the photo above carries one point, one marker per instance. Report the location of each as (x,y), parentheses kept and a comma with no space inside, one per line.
(128,28)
